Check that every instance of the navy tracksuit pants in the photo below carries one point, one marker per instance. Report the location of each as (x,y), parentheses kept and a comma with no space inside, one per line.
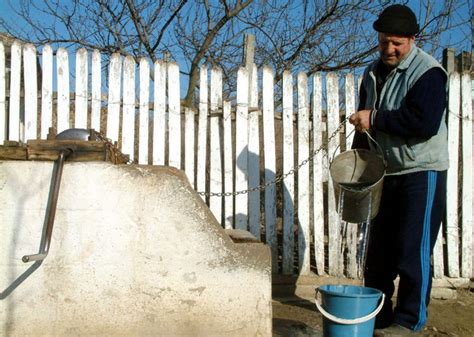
(402,238)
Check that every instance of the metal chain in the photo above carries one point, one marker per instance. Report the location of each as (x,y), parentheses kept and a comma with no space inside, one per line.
(279,178)
(116,156)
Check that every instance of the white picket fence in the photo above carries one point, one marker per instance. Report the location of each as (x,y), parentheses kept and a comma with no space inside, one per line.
(223,146)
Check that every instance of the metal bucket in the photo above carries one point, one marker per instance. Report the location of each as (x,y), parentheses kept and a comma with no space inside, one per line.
(358,175)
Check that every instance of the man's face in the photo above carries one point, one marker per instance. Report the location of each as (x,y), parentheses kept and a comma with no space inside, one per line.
(393,48)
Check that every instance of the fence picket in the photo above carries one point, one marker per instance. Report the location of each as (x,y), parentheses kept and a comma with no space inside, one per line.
(452,223)
(335,260)
(270,164)
(228,166)
(241,149)
(46,91)
(254,154)
(14,104)
(96,103)
(189,149)
(31,91)
(144,111)
(62,60)
(303,175)
(128,115)
(318,192)
(466,200)
(351,234)
(3,112)
(202,133)
(289,183)
(215,159)
(159,113)
(81,89)
(113,107)
(174,123)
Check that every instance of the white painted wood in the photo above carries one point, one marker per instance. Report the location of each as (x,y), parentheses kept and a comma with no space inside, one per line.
(46,91)
(254,153)
(96,94)
(318,191)
(14,103)
(189,148)
(228,167)
(303,176)
(351,233)
(466,201)
(438,258)
(31,92)
(452,216)
(144,112)
(82,72)
(215,160)
(335,260)
(202,132)
(269,143)
(128,116)
(288,184)
(113,104)
(241,150)
(62,62)
(159,113)
(174,116)
(3,112)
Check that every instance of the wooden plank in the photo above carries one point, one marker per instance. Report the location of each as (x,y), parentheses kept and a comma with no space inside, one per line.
(215,160)
(82,72)
(113,104)
(189,148)
(303,176)
(3,112)
(96,91)
(128,127)
(269,143)
(452,217)
(159,117)
(13,152)
(318,190)
(241,150)
(466,200)
(174,116)
(46,91)
(14,102)
(82,150)
(144,112)
(288,184)
(202,132)
(228,167)
(351,233)
(254,154)
(335,261)
(62,62)
(31,92)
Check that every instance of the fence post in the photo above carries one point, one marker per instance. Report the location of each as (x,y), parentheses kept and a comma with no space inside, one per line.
(14,104)
(128,110)
(228,166)
(174,116)
(3,112)
(159,113)
(81,96)
(215,158)
(144,112)
(113,105)
(202,133)
(96,94)
(31,92)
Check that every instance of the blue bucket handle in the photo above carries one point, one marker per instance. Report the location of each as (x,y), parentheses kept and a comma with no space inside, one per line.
(345,320)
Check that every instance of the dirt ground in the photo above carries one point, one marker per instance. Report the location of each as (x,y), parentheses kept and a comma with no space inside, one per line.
(454,317)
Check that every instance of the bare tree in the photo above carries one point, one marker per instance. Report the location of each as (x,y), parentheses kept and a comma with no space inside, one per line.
(311,36)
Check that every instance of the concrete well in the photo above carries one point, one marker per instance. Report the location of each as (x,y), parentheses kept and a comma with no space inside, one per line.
(134,252)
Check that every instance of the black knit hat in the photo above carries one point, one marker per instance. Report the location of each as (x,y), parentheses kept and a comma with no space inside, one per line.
(397,19)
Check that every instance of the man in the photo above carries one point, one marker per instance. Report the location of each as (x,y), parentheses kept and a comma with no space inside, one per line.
(402,104)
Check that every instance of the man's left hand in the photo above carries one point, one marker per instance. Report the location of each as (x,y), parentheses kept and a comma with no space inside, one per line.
(361,120)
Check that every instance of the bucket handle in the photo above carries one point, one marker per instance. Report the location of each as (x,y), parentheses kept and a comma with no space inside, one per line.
(345,320)
(379,148)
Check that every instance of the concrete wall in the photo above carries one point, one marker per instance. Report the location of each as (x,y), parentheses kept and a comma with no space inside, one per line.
(134,252)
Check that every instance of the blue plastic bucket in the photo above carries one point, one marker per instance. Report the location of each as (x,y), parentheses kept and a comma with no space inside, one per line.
(348,310)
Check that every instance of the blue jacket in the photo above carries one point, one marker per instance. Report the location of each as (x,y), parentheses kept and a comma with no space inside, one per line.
(409,119)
